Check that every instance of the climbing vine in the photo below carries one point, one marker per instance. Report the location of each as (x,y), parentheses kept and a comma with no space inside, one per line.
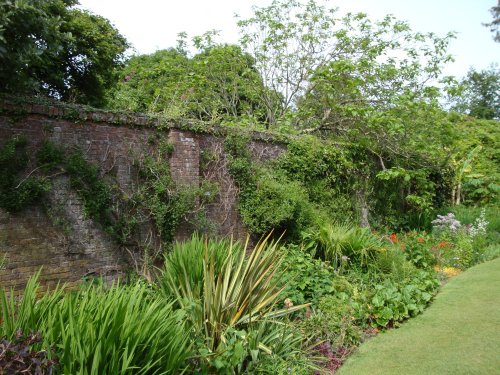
(157,199)
(17,190)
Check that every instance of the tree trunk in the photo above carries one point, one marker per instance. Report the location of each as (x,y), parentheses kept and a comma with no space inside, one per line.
(363,208)
(458,194)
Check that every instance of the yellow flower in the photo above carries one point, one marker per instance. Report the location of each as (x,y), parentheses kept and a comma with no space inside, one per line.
(448,271)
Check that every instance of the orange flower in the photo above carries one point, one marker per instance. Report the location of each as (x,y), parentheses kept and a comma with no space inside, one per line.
(443,244)
(420,239)
(393,238)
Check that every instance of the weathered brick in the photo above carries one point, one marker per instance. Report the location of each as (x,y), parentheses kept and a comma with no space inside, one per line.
(29,240)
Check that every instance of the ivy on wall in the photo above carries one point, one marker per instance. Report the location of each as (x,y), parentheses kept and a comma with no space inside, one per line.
(157,199)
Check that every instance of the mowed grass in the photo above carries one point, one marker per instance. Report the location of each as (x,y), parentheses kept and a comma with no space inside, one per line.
(458,334)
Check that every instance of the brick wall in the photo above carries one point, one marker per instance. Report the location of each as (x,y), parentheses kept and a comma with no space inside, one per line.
(70,252)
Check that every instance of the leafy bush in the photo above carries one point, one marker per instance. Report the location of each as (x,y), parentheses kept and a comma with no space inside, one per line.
(183,272)
(276,204)
(289,350)
(335,321)
(325,172)
(306,279)
(418,249)
(394,302)
(267,347)
(393,263)
(269,200)
(96,331)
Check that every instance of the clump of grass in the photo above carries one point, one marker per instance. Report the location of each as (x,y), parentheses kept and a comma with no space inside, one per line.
(122,330)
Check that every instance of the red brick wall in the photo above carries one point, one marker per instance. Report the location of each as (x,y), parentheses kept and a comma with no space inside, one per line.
(29,240)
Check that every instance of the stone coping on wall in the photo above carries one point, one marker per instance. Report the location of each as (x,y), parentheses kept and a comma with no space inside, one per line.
(21,105)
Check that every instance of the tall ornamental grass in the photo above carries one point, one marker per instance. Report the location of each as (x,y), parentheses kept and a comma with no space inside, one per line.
(122,330)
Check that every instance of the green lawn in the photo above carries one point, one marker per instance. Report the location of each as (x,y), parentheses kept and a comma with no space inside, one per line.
(458,334)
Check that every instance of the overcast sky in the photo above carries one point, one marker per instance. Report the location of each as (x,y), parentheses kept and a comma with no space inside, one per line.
(154,24)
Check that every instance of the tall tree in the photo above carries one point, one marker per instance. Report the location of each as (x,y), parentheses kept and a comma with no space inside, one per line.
(302,49)
(49,47)
(477,94)
(495,23)
(217,83)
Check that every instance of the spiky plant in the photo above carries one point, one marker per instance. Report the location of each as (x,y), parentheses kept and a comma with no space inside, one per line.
(121,330)
(240,290)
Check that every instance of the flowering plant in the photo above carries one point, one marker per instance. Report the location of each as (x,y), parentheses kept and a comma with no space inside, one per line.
(480,225)
(446,222)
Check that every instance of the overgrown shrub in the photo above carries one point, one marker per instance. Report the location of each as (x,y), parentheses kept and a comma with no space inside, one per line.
(335,321)
(393,302)
(306,279)
(393,263)
(276,204)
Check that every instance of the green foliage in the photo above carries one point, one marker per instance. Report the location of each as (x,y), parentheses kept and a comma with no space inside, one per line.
(306,279)
(392,262)
(162,200)
(96,331)
(490,252)
(477,94)
(157,198)
(417,248)
(242,293)
(468,215)
(462,244)
(331,65)
(291,350)
(276,204)
(383,111)
(395,302)
(50,47)
(335,322)
(149,83)
(183,271)
(217,83)
(85,180)
(18,188)
(267,200)
(480,182)
(325,170)
(343,245)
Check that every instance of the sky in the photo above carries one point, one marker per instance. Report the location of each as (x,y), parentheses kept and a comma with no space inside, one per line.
(150,25)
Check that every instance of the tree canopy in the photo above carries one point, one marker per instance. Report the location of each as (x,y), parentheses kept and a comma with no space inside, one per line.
(49,47)
(477,94)
(495,22)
